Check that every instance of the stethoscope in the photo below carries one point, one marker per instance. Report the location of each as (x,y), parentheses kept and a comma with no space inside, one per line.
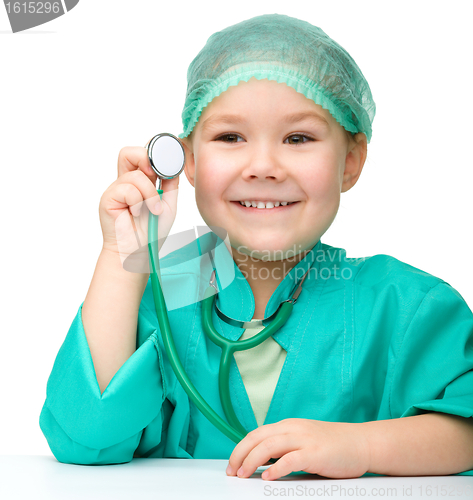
(167,159)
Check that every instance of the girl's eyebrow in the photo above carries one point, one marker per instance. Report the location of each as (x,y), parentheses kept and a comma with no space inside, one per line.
(292,118)
(227,119)
(306,115)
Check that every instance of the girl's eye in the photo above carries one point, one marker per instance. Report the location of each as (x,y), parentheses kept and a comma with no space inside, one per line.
(299,138)
(233,138)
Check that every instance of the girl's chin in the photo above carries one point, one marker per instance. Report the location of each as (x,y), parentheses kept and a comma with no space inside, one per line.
(264,251)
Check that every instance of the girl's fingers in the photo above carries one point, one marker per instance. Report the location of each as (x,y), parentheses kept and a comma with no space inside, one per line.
(134,167)
(128,195)
(133,158)
(145,187)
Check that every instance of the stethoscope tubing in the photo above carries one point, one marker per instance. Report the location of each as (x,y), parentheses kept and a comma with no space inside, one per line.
(229,347)
(171,351)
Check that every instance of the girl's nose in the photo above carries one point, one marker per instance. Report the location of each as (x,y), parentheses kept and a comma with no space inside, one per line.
(263,165)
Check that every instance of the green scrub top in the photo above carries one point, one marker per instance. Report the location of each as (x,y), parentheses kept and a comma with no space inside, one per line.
(369,339)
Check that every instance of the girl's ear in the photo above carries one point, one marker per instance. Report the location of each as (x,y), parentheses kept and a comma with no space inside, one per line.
(189,167)
(354,161)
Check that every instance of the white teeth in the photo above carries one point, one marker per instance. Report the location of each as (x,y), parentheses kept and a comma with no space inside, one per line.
(261,204)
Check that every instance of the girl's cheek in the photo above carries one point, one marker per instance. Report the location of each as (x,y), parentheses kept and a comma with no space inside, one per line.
(317,184)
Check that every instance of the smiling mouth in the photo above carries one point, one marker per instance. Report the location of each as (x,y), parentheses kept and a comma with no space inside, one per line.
(264,207)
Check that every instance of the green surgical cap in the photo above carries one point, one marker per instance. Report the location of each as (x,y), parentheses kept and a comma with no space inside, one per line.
(287,50)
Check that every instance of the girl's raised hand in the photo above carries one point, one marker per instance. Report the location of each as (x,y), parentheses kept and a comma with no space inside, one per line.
(124,216)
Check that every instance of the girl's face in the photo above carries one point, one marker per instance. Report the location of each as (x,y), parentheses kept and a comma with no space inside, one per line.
(263,141)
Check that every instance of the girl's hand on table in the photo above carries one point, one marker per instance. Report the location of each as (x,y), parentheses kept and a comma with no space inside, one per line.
(329,449)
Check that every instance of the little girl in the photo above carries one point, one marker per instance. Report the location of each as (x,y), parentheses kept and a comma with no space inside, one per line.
(373,370)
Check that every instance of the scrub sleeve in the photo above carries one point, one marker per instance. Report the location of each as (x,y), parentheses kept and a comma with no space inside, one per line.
(435,362)
(83,426)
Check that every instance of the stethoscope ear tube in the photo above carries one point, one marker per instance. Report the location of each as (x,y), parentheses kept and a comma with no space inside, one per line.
(163,319)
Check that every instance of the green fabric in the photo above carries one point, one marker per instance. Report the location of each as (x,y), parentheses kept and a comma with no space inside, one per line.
(368,339)
(287,50)
(260,368)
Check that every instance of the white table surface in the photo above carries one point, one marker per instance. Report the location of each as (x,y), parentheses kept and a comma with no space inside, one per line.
(37,477)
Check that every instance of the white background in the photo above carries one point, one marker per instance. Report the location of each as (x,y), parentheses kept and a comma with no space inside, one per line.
(112,73)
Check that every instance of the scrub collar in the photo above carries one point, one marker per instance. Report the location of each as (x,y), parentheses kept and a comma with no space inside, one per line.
(235,297)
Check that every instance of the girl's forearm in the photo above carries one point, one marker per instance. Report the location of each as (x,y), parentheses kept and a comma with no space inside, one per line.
(431,444)
(110,315)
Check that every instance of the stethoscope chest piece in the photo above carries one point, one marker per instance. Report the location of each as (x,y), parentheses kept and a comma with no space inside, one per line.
(166,155)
